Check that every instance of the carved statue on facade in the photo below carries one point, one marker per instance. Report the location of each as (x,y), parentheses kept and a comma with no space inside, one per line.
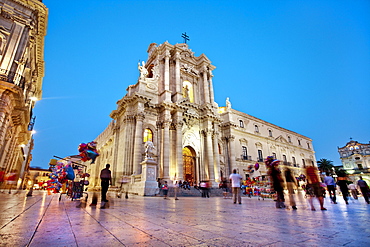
(143,71)
(156,71)
(185,91)
(228,103)
(149,148)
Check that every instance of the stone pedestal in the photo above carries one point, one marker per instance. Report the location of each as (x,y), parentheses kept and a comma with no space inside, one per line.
(148,177)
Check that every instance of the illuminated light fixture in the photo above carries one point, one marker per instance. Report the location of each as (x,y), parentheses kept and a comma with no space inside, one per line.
(33,98)
(33,132)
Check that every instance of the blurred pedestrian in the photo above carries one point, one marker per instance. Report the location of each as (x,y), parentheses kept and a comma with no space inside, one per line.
(203,189)
(364,189)
(176,189)
(343,185)
(276,179)
(11,179)
(290,183)
(331,187)
(235,179)
(314,185)
(2,177)
(352,188)
(106,180)
(165,189)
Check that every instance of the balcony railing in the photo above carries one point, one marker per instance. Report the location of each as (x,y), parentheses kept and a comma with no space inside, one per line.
(245,157)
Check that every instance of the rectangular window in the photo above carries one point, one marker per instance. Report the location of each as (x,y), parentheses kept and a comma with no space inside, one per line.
(284,157)
(245,153)
(260,156)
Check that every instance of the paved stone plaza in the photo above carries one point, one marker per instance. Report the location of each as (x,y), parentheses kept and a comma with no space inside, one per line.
(43,220)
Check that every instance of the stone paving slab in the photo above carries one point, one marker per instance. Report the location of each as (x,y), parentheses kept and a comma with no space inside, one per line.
(43,220)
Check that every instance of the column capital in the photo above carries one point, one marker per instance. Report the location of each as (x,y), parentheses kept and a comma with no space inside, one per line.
(140,116)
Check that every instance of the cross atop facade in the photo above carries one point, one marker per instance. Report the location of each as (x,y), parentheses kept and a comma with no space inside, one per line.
(186,37)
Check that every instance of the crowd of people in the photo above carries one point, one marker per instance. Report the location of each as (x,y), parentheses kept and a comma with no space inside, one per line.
(314,186)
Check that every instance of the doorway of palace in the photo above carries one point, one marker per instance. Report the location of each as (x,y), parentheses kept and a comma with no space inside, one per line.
(188,157)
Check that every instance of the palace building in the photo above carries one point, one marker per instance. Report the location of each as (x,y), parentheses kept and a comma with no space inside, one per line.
(22,32)
(172,105)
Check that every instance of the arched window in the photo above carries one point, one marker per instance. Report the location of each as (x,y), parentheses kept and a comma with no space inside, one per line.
(256,128)
(241,124)
(289,140)
(270,133)
(148,135)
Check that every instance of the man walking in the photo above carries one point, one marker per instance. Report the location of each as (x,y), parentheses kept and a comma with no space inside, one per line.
(106,180)
(330,184)
(235,184)
(364,189)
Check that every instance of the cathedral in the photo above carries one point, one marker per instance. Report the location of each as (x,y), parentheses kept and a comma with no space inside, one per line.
(172,108)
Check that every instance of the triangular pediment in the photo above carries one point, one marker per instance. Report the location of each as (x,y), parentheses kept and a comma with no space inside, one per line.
(281,139)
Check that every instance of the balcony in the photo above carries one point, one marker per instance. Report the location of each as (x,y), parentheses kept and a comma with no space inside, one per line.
(245,157)
(286,163)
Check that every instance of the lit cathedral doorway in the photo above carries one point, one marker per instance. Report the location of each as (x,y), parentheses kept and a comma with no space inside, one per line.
(188,157)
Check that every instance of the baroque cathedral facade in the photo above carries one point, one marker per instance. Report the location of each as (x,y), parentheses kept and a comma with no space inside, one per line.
(172,105)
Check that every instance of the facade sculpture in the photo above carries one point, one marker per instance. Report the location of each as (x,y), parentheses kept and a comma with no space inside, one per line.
(143,71)
(22,31)
(195,139)
(149,148)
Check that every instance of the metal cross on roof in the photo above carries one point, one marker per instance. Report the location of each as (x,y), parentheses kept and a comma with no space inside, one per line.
(186,37)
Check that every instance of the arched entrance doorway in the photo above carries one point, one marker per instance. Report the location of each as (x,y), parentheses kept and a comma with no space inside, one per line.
(188,157)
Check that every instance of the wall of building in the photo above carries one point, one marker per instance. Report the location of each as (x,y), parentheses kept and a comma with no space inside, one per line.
(22,31)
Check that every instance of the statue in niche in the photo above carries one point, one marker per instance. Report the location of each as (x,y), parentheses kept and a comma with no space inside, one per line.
(149,147)
(228,103)
(143,71)
(185,91)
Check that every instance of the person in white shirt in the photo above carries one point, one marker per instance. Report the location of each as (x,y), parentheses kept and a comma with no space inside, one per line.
(235,179)
(353,189)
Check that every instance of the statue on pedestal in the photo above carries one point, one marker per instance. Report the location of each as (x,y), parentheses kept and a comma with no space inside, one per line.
(228,103)
(149,147)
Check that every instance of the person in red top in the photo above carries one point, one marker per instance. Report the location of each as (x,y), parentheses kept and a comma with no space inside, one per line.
(314,184)
(11,179)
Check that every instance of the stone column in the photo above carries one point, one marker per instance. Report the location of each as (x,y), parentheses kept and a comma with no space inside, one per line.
(166,149)
(177,77)
(138,143)
(211,95)
(232,153)
(205,85)
(128,145)
(167,96)
(179,159)
(209,149)
(216,156)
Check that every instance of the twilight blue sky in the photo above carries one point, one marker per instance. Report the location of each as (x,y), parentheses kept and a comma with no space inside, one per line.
(302,65)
